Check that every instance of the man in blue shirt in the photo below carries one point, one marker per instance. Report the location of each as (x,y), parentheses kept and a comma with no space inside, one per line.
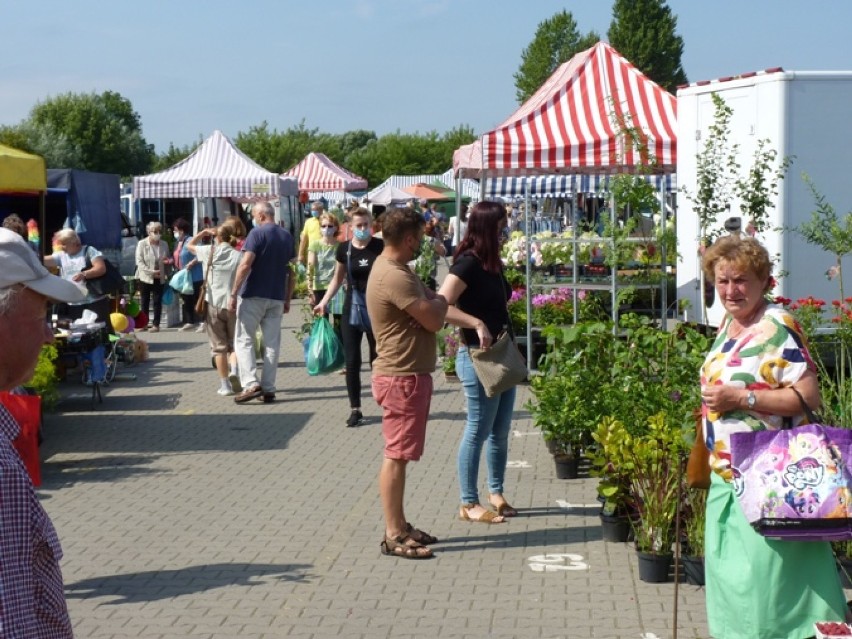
(261,294)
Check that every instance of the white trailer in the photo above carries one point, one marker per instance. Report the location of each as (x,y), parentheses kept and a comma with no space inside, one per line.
(805,116)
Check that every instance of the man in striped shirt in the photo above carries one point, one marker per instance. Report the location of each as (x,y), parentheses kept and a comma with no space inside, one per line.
(32,600)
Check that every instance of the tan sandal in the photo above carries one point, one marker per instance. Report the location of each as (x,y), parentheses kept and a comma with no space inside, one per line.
(405,547)
(504,509)
(487,517)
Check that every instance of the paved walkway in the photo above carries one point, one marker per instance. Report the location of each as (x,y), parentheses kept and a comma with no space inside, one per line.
(183,515)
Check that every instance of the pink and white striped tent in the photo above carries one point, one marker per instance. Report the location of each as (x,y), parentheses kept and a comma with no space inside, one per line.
(318,173)
(216,168)
(570,125)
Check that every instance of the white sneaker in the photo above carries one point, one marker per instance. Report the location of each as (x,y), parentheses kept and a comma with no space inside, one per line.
(186,327)
(201,328)
(224,392)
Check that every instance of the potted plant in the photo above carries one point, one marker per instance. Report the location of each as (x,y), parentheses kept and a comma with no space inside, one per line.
(448,346)
(652,460)
(563,406)
(694,517)
(613,466)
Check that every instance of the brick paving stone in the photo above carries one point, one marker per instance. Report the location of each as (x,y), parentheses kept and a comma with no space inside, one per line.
(182,514)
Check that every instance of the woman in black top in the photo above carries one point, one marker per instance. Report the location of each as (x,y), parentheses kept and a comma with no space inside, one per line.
(478,293)
(354,261)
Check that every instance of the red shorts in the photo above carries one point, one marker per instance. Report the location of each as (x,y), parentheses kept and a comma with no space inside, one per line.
(405,401)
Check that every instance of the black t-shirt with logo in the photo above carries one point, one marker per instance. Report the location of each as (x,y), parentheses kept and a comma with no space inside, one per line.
(361,262)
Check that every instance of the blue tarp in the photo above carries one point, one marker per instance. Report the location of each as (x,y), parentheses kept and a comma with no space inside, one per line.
(94,200)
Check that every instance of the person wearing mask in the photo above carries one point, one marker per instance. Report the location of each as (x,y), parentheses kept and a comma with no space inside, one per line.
(322,263)
(72,261)
(310,232)
(354,261)
(221,321)
(32,597)
(152,259)
(260,295)
(406,317)
(182,257)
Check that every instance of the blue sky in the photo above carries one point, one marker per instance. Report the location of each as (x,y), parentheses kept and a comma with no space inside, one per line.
(191,66)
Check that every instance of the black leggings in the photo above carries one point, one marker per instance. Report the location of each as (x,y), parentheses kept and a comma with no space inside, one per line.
(145,291)
(352,351)
(189,314)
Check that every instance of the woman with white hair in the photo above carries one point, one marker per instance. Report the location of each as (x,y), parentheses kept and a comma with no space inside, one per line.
(152,256)
(79,263)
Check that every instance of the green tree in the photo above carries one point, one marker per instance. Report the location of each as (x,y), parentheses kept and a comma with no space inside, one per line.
(643,31)
(174,154)
(97,132)
(15,137)
(556,40)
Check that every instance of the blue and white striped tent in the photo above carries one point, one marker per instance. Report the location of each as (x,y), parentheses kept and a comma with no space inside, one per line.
(562,185)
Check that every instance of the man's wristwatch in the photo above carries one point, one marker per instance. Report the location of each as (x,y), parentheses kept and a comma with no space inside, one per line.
(751,400)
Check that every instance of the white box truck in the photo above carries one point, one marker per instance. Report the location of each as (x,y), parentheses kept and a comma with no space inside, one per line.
(806,116)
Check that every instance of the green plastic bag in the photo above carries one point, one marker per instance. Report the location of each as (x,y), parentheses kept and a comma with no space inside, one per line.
(325,352)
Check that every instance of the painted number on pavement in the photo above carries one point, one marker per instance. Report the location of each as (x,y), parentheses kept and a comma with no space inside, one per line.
(557,562)
(517,464)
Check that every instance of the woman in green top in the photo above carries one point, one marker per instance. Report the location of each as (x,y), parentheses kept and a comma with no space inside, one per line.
(322,262)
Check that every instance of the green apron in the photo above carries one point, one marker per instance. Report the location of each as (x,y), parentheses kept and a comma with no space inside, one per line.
(762,589)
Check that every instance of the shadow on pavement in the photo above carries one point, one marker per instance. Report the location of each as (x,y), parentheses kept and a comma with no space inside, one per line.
(154,585)
(163,434)
(106,468)
(532,539)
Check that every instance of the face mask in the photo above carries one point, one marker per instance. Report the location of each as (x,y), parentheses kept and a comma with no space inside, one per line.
(314,213)
(329,231)
(362,234)
(155,235)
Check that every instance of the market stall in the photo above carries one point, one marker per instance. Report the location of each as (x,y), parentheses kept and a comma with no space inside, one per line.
(321,178)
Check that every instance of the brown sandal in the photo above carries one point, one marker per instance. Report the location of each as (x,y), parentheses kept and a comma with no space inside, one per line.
(404,546)
(488,517)
(505,510)
(420,536)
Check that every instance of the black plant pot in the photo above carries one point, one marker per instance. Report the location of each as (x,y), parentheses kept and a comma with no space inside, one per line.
(552,446)
(567,466)
(615,528)
(693,568)
(653,568)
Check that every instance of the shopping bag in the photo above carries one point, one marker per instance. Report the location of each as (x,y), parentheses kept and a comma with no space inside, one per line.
(796,483)
(358,316)
(182,282)
(325,352)
(168,295)
(26,410)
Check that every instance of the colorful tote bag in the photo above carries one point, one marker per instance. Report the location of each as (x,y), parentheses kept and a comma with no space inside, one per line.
(796,483)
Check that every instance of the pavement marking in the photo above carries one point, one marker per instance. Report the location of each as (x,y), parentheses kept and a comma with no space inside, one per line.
(557,562)
(518,464)
(569,506)
(517,433)
(648,635)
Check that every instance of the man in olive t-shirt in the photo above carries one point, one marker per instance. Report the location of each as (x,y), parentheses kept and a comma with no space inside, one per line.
(405,316)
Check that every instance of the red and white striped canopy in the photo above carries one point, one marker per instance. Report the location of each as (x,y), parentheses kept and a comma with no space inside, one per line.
(571,124)
(318,173)
(216,168)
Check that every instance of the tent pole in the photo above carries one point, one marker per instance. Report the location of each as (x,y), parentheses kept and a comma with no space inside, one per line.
(527,206)
(664,282)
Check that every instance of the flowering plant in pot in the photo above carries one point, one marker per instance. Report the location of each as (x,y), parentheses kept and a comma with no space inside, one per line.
(694,518)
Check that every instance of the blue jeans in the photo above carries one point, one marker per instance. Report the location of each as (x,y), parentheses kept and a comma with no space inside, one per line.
(489,420)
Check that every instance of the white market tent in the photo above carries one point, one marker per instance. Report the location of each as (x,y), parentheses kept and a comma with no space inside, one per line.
(467,188)
(216,169)
(389,195)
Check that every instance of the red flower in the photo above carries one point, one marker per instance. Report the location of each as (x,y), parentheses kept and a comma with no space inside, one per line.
(836,303)
(794,307)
